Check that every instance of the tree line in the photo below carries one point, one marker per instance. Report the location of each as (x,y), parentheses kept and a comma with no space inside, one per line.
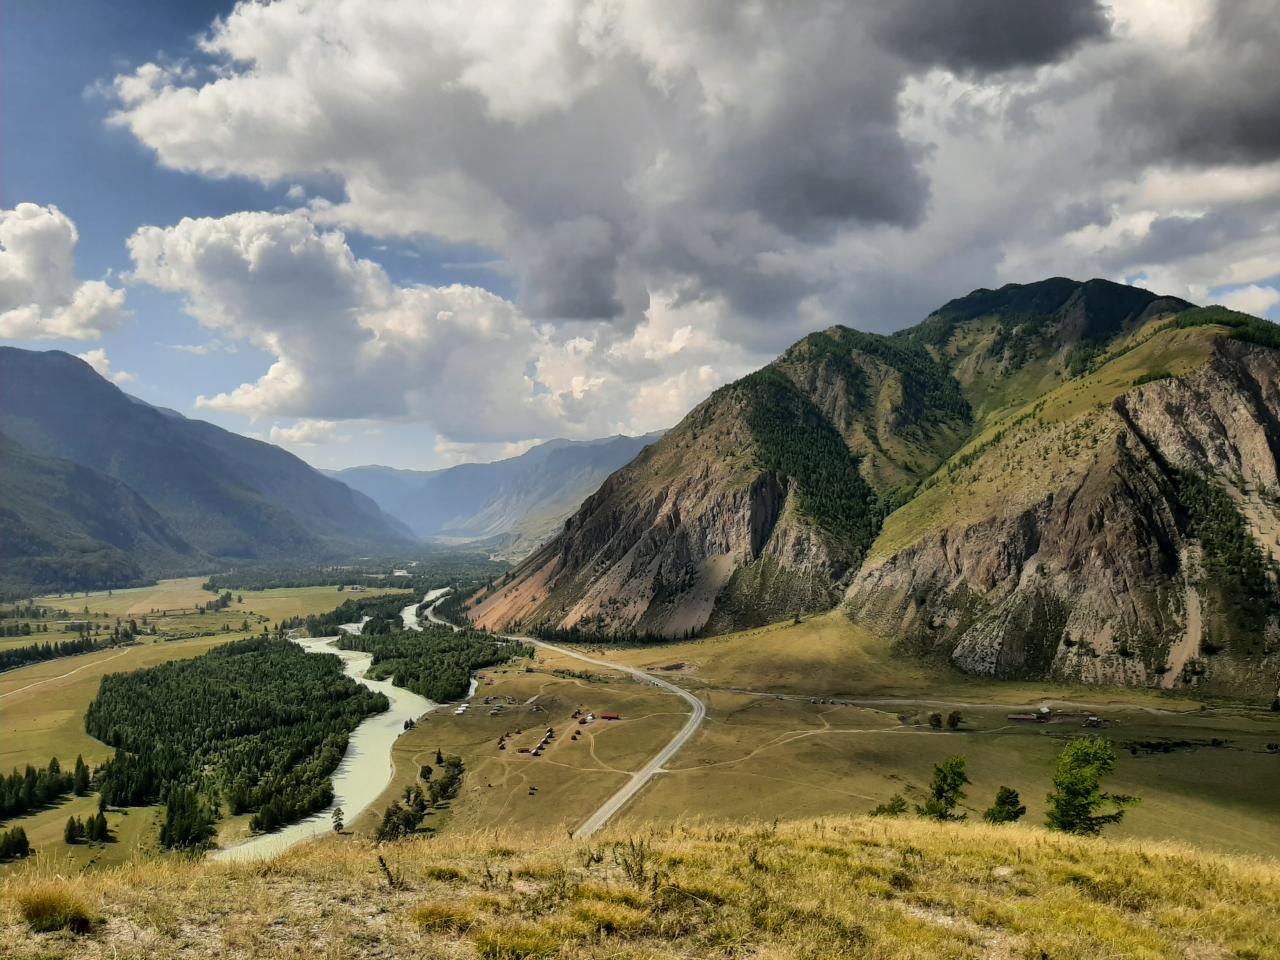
(257,724)
(31,789)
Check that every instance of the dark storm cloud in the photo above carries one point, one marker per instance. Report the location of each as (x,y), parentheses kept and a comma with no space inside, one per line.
(988,36)
(1218,102)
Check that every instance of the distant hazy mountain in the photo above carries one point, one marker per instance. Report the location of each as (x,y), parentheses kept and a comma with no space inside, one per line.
(511,505)
(90,471)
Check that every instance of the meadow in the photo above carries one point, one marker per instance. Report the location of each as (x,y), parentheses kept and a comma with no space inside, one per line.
(820,718)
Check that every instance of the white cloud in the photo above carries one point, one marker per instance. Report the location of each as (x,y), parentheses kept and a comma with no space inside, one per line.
(40,297)
(350,344)
(678,191)
(98,360)
(450,452)
(305,433)
(1253,299)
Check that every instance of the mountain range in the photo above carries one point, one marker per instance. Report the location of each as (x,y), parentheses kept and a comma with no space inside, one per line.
(510,506)
(1062,479)
(100,489)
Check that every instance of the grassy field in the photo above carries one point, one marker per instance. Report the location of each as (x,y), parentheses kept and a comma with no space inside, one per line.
(767,751)
(835,887)
(42,706)
(571,778)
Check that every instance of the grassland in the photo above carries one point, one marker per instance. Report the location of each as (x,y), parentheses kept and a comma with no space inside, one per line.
(559,789)
(42,706)
(875,889)
(767,751)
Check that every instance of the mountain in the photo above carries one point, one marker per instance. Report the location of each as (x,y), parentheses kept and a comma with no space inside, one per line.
(1058,479)
(167,493)
(67,527)
(511,506)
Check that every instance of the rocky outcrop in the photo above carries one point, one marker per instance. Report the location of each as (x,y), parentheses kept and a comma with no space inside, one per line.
(1088,584)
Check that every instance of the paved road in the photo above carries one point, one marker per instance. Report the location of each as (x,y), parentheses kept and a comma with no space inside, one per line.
(646,773)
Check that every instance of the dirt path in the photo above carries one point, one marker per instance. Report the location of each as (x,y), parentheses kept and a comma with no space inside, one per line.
(63,676)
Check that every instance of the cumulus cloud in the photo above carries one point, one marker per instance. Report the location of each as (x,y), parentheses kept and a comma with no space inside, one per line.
(98,360)
(1253,299)
(351,344)
(305,433)
(40,297)
(678,191)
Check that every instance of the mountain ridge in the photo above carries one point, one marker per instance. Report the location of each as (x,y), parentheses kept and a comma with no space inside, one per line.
(808,484)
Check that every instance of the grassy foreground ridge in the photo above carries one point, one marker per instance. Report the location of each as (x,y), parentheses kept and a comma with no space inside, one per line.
(820,888)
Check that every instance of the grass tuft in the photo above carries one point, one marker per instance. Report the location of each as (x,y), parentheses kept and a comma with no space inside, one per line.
(449,917)
(49,905)
(517,941)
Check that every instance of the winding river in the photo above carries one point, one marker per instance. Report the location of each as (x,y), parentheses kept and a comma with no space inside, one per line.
(366,768)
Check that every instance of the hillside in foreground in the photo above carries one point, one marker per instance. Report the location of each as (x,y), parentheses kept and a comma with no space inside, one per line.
(871,888)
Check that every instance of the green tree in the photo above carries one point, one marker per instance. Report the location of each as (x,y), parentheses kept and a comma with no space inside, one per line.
(81,777)
(1078,796)
(71,832)
(946,790)
(1007,808)
(935,721)
(337,819)
(954,719)
(894,807)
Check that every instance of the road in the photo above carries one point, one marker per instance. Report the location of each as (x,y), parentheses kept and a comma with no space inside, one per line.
(62,676)
(641,777)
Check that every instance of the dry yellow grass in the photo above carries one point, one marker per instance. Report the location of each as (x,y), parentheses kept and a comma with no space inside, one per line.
(888,889)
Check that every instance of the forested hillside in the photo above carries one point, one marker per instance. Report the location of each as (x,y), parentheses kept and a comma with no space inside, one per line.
(102,489)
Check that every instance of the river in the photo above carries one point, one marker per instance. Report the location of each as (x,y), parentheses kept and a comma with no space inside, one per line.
(365,769)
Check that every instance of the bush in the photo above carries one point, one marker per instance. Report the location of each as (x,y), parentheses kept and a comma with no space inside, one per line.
(50,906)
(896,806)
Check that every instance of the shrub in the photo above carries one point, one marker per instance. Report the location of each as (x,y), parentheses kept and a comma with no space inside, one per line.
(50,906)
(935,721)
(895,806)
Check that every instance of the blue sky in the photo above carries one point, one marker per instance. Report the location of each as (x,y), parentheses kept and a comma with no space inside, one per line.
(53,59)
(419,233)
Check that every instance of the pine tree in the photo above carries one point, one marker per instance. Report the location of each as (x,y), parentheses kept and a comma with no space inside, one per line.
(70,833)
(80,783)
(1007,807)
(1077,789)
(946,790)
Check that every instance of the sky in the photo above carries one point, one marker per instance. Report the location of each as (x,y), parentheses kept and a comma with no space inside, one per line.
(422,233)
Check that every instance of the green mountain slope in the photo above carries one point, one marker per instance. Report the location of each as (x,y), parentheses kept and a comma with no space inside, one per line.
(223,495)
(1061,479)
(66,527)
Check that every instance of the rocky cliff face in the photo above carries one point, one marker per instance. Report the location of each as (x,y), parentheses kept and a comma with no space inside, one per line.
(1101,578)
